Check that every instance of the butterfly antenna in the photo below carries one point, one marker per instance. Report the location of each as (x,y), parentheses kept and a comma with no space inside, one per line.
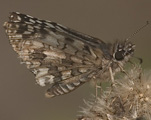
(137,31)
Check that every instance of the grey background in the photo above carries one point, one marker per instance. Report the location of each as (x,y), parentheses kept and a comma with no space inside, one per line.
(20,98)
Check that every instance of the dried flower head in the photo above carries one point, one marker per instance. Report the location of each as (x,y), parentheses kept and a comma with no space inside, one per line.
(128,99)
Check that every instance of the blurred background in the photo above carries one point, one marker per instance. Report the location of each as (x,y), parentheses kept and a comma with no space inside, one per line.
(20,97)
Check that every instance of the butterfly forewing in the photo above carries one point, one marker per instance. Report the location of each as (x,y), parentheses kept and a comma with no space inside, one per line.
(57,55)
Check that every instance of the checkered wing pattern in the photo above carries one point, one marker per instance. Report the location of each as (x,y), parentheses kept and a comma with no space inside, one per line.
(58,56)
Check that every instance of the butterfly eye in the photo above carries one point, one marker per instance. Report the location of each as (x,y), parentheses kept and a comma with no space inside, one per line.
(119,55)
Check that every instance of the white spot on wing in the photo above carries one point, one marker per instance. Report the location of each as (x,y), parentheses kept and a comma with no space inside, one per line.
(37,27)
(65,90)
(38,21)
(49,24)
(27,32)
(83,70)
(37,44)
(51,40)
(17,13)
(18,18)
(45,79)
(31,20)
(29,16)
(76,83)
(30,27)
(50,80)
(53,54)
(66,74)
(59,91)
(17,36)
(70,86)
(41,73)
(41,81)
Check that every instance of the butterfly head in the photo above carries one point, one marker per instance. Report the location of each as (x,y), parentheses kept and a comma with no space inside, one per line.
(123,51)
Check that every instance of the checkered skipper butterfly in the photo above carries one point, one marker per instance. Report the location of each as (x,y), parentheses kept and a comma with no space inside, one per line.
(62,57)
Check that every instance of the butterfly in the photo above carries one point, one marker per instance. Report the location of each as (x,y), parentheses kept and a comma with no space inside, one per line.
(62,57)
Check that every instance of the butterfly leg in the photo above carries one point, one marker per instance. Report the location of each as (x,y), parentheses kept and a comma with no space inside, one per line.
(111,75)
(124,71)
(96,89)
(112,80)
